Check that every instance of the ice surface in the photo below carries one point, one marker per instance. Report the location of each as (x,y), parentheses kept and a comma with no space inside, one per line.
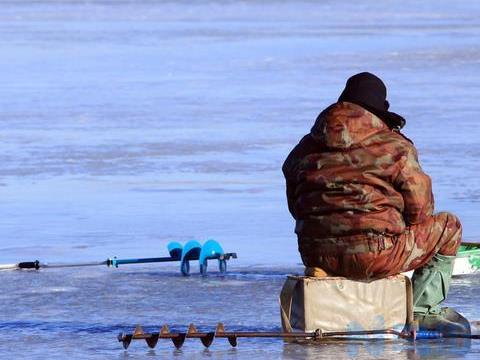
(129,124)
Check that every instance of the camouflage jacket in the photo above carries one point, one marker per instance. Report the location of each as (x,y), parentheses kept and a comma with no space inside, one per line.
(352,183)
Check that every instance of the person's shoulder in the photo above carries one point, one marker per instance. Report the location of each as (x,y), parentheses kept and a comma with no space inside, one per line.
(397,139)
(393,143)
(306,146)
(403,138)
(307,141)
(404,144)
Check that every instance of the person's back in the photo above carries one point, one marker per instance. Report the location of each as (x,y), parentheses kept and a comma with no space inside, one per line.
(348,176)
(364,207)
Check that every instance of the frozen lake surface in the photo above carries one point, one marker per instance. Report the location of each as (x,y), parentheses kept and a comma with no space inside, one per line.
(129,124)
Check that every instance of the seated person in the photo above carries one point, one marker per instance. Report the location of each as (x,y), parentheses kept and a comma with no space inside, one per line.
(364,207)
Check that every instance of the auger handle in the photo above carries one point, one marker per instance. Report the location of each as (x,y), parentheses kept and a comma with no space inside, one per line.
(424,335)
(29,265)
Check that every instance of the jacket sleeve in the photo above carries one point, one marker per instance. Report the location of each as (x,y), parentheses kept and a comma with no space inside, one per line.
(416,189)
(290,169)
(290,185)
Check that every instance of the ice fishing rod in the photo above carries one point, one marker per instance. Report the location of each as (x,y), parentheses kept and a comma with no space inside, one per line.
(192,250)
(178,338)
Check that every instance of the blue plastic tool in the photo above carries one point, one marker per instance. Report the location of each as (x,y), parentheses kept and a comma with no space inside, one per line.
(212,250)
(175,250)
(428,335)
(191,251)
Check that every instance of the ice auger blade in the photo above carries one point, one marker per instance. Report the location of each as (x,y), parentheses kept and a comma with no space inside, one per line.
(207,339)
(125,339)
(220,332)
(179,340)
(152,341)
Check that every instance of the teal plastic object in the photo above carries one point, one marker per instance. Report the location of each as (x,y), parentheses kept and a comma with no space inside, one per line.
(175,250)
(472,251)
(212,250)
(191,251)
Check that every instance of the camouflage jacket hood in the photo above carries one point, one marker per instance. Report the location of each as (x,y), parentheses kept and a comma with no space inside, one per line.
(343,125)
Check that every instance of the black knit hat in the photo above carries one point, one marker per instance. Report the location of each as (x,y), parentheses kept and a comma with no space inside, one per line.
(369,91)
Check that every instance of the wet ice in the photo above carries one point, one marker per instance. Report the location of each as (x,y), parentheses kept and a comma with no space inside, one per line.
(126,125)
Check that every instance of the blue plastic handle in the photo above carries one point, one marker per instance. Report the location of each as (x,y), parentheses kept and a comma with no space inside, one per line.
(428,335)
(175,250)
(211,250)
(191,251)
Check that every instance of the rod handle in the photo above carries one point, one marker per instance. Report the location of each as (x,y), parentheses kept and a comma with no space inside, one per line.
(424,335)
(29,265)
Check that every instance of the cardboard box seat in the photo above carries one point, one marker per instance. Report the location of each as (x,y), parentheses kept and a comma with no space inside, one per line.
(340,304)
